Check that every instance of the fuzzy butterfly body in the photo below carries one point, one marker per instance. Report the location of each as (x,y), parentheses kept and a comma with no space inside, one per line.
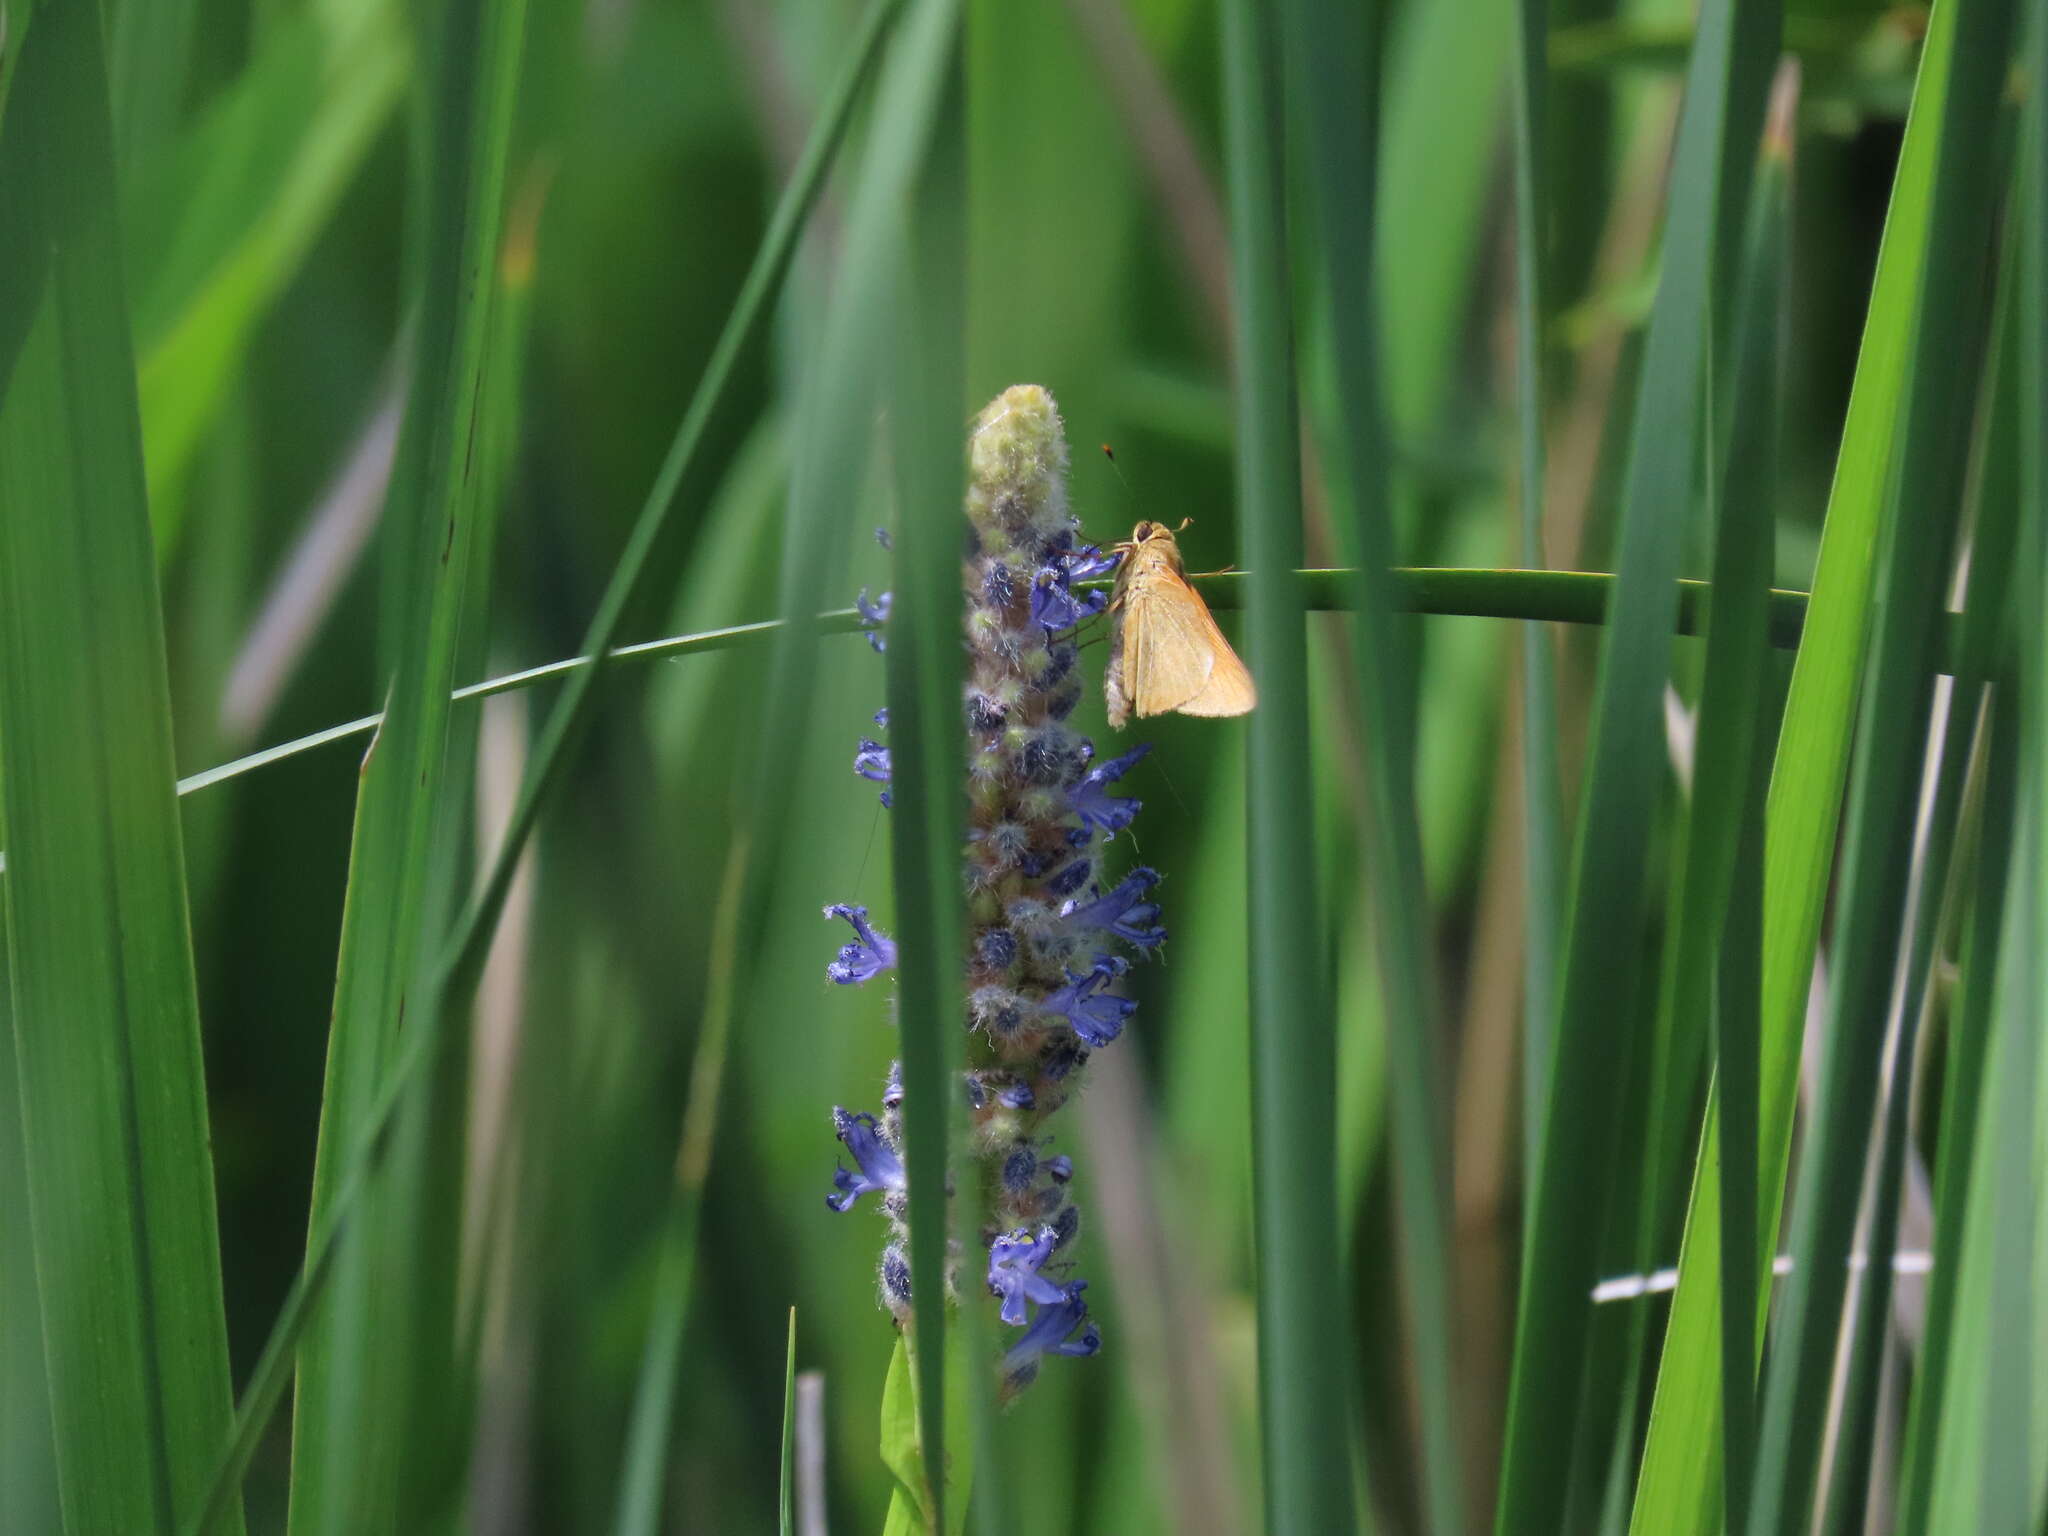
(1165,651)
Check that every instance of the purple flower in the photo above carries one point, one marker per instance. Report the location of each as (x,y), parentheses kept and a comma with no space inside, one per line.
(1089,799)
(1050,1334)
(1070,877)
(1020,1167)
(871,761)
(1094,1015)
(1036,797)
(867,955)
(881,1170)
(1013,1263)
(1122,912)
(1054,607)
(874,615)
(1090,564)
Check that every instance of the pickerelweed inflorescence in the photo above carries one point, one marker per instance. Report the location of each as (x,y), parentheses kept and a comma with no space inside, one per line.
(1047,938)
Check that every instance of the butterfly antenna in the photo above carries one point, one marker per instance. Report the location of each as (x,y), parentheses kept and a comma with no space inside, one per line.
(1109,453)
(1174,790)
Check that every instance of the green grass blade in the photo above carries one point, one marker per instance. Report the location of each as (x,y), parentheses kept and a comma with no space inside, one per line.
(1729,781)
(1302,1387)
(1558,597)
(1676,1490)
(2006,1456)
(920,210)
(1332,73)
(28,1460)
(1716,141)
(2009,1475)
(1542,793)
(652,1422)
(1943,368)
(1970,1030)
(363,1359)
(119,1171)
(785,1498)
(1959,771)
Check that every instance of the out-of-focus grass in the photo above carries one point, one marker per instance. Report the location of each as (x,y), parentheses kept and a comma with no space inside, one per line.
(269,190)
(107,1131)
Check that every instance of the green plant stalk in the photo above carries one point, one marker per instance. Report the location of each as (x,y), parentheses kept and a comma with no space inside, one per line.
(1563,597)
(1542,793)
(1302,1386)
(1578,1167)
(1945,365)
(1339,101)
(924,249)
(1731,764)
(113,1135)
(650,1426)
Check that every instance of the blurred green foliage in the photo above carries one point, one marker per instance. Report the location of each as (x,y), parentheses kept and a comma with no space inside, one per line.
(274,162)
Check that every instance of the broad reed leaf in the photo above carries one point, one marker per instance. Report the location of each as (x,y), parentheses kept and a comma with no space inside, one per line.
(105,1059)
(1332,74)
(1576,1167)
(356,1443)
(1303,1392)
(1677,1490)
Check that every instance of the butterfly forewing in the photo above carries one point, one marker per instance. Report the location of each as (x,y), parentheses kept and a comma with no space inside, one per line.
(1168,653)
